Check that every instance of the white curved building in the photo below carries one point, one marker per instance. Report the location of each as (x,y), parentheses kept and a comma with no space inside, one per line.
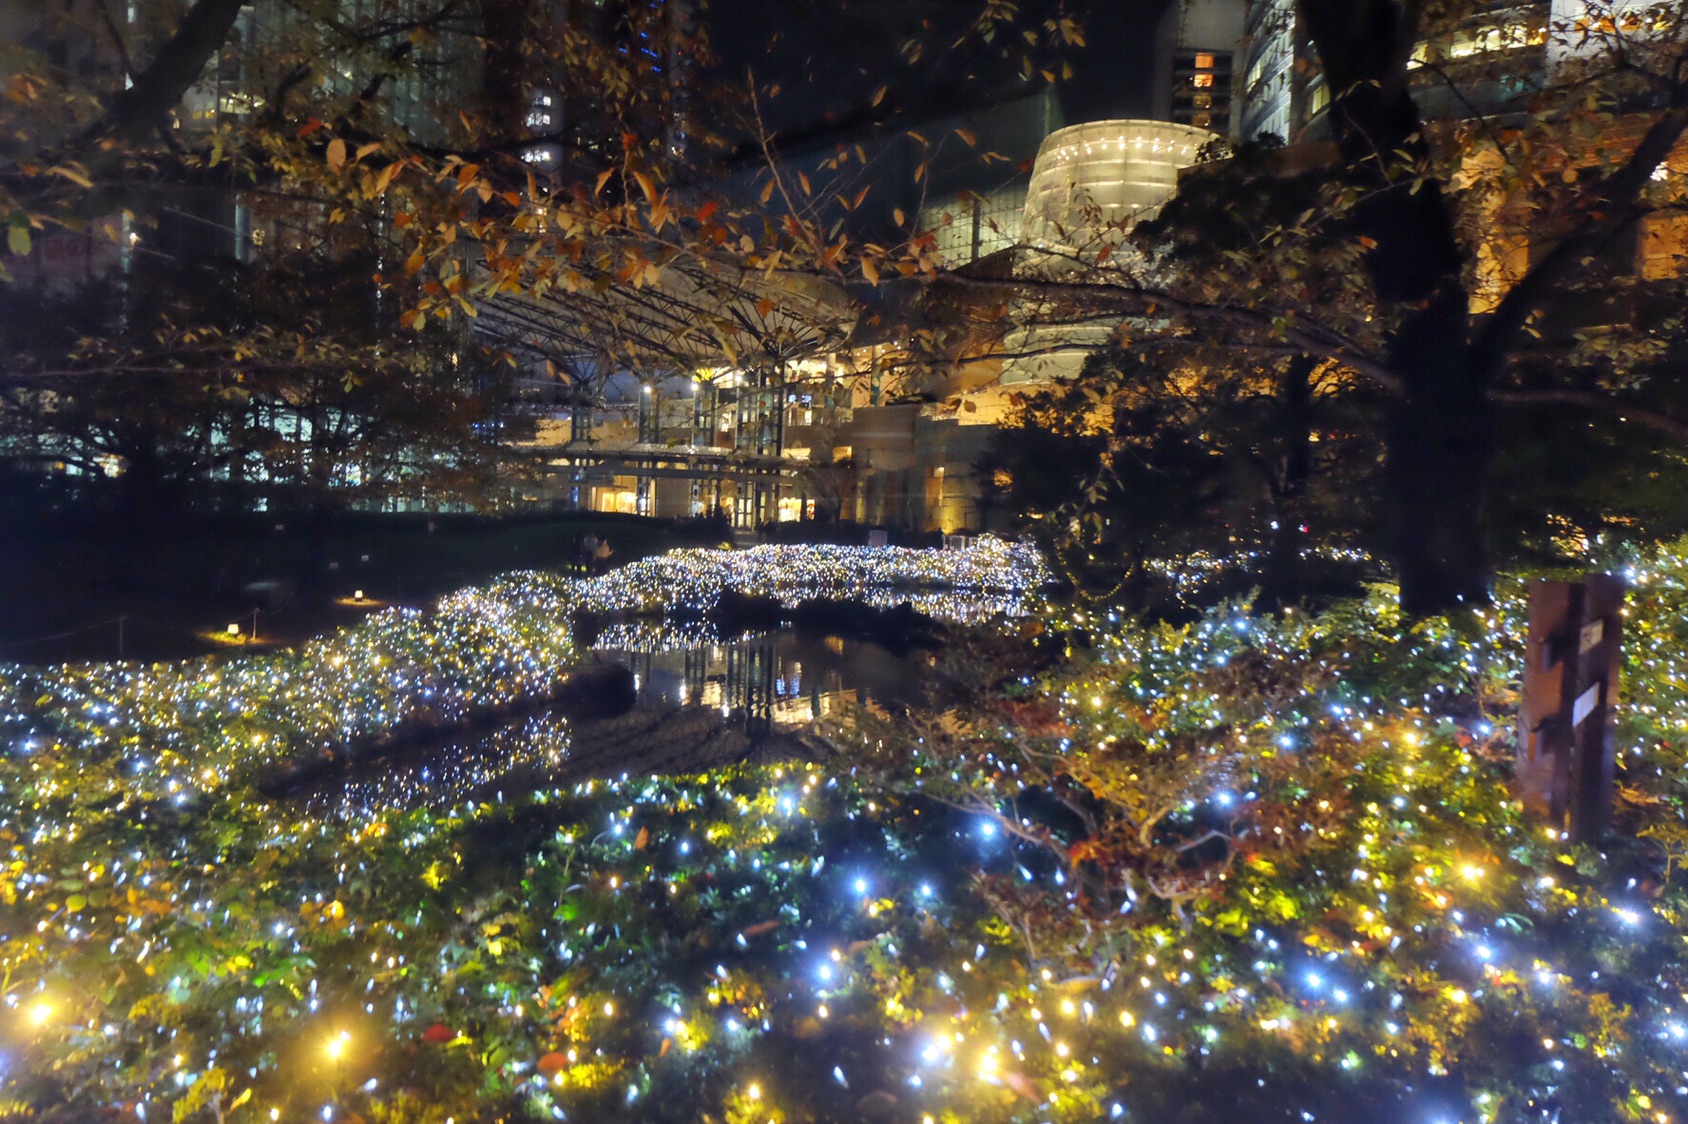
(1093,181)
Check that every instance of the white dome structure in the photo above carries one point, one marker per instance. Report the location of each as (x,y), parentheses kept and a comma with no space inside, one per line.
(1105,174)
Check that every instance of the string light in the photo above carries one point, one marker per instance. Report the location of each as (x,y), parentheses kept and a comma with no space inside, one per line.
(1385,917)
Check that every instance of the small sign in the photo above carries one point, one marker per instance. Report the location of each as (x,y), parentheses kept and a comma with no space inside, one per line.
(1592,634)
(1585,704)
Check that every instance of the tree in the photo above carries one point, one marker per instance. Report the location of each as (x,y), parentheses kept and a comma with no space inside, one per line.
(214,172)
(1147,472)
(1402,256)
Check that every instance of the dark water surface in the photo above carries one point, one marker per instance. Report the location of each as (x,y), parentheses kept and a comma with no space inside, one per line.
(702,701)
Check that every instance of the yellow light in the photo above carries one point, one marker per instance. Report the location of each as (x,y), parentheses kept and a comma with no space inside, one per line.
(41,1012)
(337,1045)
(754,1092)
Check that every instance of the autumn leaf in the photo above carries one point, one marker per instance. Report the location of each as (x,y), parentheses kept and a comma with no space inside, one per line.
(439,1032)
(551,1063)
(642,840)
(336,154)
(17,234)
(1024,1086)
(73,173)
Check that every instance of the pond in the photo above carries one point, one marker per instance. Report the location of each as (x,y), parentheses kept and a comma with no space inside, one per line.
(701,700)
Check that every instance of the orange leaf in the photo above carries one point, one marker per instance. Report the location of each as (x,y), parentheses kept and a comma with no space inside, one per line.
(552,1062)
(1024,1086)
(642,839)
(336,154)
(439,1032)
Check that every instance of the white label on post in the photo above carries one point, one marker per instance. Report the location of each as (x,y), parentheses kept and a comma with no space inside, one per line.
(1592,633)
(1585,704)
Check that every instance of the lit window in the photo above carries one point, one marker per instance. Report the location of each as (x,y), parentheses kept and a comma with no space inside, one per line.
(1203,101)
(1664,247)
(1202,119)
(1204,61)
(1202,81)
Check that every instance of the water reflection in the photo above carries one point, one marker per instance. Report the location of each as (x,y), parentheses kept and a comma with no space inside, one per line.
(703,700)
(765,682)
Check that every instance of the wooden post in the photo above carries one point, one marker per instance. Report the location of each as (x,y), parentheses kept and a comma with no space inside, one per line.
(1566,715)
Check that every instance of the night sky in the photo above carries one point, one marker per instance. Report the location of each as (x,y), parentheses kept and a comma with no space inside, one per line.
(828,58)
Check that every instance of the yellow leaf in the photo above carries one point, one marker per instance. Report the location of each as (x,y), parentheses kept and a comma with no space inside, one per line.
(366,149)
(646,186)
(898,217)
(73,173)
(336,154)
(870,270)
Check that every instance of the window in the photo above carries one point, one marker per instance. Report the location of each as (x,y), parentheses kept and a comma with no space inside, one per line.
(1202,81)
(1204,61)
(1203,120)
(1204,101)
(1664,247)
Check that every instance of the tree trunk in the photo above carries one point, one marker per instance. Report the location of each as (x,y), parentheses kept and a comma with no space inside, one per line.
(1289,492)
(1439,453)
(1437,435)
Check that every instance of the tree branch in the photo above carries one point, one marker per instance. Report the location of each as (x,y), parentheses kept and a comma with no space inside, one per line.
(1612,207)
(161,86)
(1135,300)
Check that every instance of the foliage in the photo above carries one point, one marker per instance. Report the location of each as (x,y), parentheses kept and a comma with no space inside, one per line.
(1267,864)
(1146,459)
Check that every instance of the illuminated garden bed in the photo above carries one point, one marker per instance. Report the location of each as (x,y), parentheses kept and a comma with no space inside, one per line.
(928,928)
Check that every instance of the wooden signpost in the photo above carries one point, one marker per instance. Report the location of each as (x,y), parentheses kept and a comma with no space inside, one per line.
(1565,718)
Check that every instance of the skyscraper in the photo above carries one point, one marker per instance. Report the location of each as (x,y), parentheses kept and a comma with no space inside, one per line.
(1195,46)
